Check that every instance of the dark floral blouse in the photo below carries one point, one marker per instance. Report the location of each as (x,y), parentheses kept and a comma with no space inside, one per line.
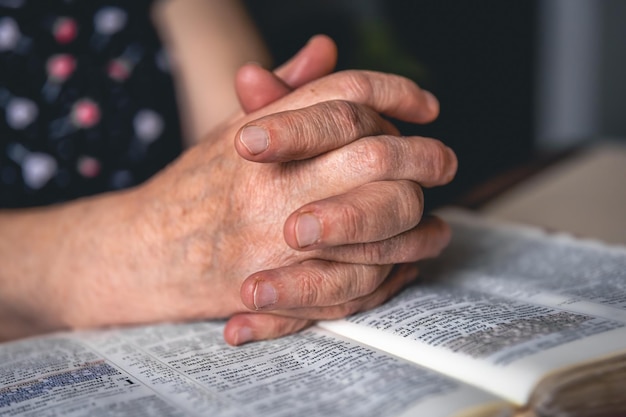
(87,103)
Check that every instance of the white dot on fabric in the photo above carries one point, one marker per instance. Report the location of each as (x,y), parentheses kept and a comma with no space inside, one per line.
(110,20)
(21,112)
(148,125)
(37,169)
(9,34)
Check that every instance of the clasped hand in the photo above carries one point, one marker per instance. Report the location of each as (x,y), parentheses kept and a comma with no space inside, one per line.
(303,217)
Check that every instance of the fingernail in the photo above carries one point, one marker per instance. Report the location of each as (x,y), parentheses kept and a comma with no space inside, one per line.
(264,295)
(255,139)
(308,230)
(431,101)
(243,335)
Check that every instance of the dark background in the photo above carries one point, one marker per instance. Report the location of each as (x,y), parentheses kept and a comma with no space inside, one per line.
(476,57)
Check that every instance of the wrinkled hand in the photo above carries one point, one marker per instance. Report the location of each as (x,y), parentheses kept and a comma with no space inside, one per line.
(256,88)
(303,217)
(345,182)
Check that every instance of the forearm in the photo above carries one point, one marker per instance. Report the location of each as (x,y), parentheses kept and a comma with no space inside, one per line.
(208,41)
(44,252)
(27,253)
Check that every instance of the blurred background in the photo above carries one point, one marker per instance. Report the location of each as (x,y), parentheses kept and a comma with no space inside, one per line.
(517,81)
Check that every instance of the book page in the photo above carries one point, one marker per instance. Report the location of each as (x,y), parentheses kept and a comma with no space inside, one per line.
(530,264)
(188,370)
(501,310)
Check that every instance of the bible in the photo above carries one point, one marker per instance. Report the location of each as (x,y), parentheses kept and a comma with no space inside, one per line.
(509,320)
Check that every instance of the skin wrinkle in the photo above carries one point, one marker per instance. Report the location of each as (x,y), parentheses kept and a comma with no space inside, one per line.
(354,218)
(328,120)
(307,290)
(365,201)
(310,283)
(347,119)
(404,210)
(403,248)
(357,87)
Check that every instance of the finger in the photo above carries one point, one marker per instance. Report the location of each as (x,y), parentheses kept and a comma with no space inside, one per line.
(392,95)
(372,212)
(397,279)
(426,161)
(316,59)
(326,283)
(305,133)
(314,283)
(247,327)
(424,241)
(256,87)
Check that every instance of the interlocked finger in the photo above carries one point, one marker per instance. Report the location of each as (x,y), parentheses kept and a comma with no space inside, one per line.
(308,132)
(314,283)
(370,213)
(400,276)
(424,241)
(385,158)
(247,327)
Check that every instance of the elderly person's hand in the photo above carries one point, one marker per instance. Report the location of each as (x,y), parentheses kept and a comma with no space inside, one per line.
(303,217)
(256,88)
(327,198)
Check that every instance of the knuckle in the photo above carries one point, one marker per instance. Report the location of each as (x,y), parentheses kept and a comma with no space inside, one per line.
(347,115)
(353,120)
(353,222)
(322,287)
(358,86)
(297,131)
(342,120)
(336,286)
(300,130)
(308,288)
(374,156)
(374,253)
(340,286)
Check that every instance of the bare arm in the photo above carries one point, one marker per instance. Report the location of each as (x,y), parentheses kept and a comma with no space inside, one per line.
(43,249)
(48,254)
(209,41)
(201,238)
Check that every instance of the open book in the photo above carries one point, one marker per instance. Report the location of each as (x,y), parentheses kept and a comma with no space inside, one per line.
(508,320)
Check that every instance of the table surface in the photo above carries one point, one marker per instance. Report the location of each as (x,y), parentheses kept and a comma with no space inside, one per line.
(583,194)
